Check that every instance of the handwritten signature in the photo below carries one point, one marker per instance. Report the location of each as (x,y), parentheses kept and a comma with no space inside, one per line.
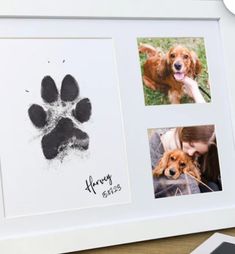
(91,184)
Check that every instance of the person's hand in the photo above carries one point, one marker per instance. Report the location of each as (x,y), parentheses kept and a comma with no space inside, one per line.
(191,88)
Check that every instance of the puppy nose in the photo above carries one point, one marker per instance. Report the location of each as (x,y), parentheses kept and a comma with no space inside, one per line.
(178,66)
(172,171)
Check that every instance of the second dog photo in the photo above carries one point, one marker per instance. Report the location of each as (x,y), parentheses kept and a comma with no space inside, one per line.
(184,160)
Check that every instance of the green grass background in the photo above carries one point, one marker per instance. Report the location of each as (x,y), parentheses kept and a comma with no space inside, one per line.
(196,44)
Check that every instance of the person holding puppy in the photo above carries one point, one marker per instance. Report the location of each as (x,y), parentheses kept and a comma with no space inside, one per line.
(199,142)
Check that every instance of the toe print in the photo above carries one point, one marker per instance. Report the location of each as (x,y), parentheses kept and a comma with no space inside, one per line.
(49,91)
(60,127)
(82,112)
(69,89)
(37,115)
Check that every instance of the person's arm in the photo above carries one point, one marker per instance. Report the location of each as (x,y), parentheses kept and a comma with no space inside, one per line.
(192,90)
(156,149)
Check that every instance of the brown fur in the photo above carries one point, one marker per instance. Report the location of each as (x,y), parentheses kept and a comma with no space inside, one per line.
(159,69)
(174,163)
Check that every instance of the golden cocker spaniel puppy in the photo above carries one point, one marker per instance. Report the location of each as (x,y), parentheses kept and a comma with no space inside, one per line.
(174,163)
(166,72)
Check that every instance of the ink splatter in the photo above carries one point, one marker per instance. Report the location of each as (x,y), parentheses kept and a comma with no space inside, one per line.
(59,118)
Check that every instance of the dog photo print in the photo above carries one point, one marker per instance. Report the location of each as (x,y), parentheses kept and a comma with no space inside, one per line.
(174,70)
(56,148)
(184,160)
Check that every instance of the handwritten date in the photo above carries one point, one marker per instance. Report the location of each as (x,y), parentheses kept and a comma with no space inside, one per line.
(111,191)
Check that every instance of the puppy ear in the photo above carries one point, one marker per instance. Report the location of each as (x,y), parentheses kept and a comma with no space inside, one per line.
(162,165)
(163,68)
(193,170)
(197,64)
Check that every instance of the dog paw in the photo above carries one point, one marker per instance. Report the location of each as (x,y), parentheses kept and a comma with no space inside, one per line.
(60,117)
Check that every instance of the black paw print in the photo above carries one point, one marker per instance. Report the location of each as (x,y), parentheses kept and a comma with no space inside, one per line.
(59,122)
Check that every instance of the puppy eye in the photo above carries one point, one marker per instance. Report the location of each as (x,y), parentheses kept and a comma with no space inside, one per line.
(186,56)
(172,158)
(182,165)
(172,55)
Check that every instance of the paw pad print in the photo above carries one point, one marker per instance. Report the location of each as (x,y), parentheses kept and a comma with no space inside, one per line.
(60,117)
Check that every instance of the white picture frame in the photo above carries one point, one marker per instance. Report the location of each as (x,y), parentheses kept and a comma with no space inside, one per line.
(63,231)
